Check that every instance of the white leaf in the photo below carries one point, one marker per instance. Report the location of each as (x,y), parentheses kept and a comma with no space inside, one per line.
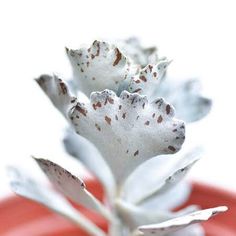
(58,92)
(98,67)
(158,176)
(30,188)
(165,201)
(146,80)
(128,130)
(88,154)
(186,97)
(134,216)
(72,186)
(139,55)
(192,230)
(169,183)
(178,223)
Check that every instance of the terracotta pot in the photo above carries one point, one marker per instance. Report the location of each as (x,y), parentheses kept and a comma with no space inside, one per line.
(20,217)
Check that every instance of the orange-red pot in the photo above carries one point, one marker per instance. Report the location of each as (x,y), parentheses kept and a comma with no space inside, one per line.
(20,217)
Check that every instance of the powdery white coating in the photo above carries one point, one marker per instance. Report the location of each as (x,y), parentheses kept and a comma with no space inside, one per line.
(146,80)
(58,92)
(181,193)
(98,67)
(157,176)
(186,97)
(71,186)
(128,130)
(192,230)
(87,153)
(172,180)
(178,223)
(134,216)
(139,55)
(32,189)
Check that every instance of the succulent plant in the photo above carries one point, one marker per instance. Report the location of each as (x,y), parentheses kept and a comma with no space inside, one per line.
(125,132)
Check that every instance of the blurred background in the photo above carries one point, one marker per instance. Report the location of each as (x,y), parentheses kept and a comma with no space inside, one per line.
(198,35)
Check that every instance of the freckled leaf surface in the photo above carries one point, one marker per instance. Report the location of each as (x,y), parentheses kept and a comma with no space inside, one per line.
(98,67)
(146,81)
(32,189)
(128,129)
(71,186)
(58,92)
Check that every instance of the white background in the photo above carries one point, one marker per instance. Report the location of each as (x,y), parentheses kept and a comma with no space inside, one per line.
(198,35)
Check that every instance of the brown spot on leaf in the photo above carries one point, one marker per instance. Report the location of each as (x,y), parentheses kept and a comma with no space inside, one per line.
(153,115)
(110,100)
(137,81)
(93,78)
(137,90)
(120,106)
(81,110)
(173,149)
(98,127)
(136,153)
(108,120)
(132,101)
(63,87)
(97,45)
(105,103)
(150,67)
(95,105)
(118,57)
(73,100)
(167,109)
(159,102)
(159,119)
(155,74)
(123,116)
(143,78)
(147,122)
